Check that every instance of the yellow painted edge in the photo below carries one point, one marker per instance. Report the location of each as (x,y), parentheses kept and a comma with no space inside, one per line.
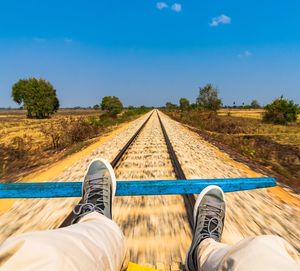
(136,267)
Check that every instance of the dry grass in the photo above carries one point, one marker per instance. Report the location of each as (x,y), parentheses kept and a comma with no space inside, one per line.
(244,113)
(28,144)
(282,134)
(13,123)
(276,147)
(24,147)
(289,135)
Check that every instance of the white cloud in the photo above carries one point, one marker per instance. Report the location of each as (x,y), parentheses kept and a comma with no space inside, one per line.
(68,40)
(245,54)
(161,5)
(222,19)
(176,7)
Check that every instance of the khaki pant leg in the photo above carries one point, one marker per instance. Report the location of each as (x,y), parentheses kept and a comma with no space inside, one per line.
(95,243)
(266,252)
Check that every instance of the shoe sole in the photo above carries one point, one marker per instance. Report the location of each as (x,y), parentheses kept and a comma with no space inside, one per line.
(197,203)
(111,171)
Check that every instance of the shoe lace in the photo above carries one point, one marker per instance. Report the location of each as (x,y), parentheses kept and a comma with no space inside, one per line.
(95,190)
(212,224)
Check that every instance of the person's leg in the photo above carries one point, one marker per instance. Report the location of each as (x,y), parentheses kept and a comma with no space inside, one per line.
(265,252)
(256,253)
(209,215)
(95,242)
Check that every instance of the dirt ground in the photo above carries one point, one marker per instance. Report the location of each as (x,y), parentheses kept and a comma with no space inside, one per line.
(146,221)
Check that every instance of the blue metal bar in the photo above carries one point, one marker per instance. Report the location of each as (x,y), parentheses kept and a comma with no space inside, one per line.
(132,188)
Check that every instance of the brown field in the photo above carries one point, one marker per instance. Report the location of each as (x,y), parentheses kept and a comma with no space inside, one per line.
(14,123)
(26,145)
(245,113)
(148,221)
(289,134)
(275,147)
(23,145)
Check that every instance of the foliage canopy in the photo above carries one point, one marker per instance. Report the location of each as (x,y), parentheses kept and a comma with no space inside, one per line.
(170,106)
(184,104)
(281,111)
(254,104)
(112,105)
(209,98)
(37,96)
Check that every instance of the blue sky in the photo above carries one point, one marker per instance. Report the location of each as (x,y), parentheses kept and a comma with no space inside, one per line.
(150,52)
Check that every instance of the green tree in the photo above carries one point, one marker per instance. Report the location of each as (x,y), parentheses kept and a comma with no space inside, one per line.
(255,104)
(209,98)
(170,106)
(281,111)
(37,96)
(184,104)
(112,105)
(194,106)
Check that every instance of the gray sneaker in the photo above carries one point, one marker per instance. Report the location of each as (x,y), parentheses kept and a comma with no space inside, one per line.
(98,190)
(209,214)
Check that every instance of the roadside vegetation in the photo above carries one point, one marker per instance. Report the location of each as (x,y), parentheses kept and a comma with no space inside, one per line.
(268,136)
(31,138)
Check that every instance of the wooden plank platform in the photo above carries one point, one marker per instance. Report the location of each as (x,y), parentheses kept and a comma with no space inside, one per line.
(132,188)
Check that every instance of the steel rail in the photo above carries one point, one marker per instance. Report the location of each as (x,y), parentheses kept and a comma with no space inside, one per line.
(189,200)
(119,156)
(114,163)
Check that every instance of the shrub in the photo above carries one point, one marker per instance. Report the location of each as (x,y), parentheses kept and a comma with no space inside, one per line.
(66,132)
(135,112)
(78,130)
(209,98)
(170,106)
(94,121)
(112,105)
(254,104)
(55,132)
(281,111)
(184,104)
(20,146)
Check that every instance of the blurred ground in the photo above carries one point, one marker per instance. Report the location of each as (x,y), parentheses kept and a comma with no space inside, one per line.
(156,227)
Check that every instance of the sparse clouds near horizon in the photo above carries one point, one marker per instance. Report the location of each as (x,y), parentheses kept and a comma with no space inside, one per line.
(145,52)
(161,5)
(176,7)
(222,19)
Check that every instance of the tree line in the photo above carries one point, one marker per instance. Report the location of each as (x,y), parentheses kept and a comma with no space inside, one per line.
(279,111)
(39,98)
(208,99)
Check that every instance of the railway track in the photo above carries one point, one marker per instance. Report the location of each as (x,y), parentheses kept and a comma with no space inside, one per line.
(137,221)
(188,199)
(157,227)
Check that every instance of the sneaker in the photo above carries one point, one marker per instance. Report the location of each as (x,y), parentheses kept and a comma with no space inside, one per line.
(209,214)
(98,190)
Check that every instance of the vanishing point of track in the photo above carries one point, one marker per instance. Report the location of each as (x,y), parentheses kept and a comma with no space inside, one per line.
(189,200)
